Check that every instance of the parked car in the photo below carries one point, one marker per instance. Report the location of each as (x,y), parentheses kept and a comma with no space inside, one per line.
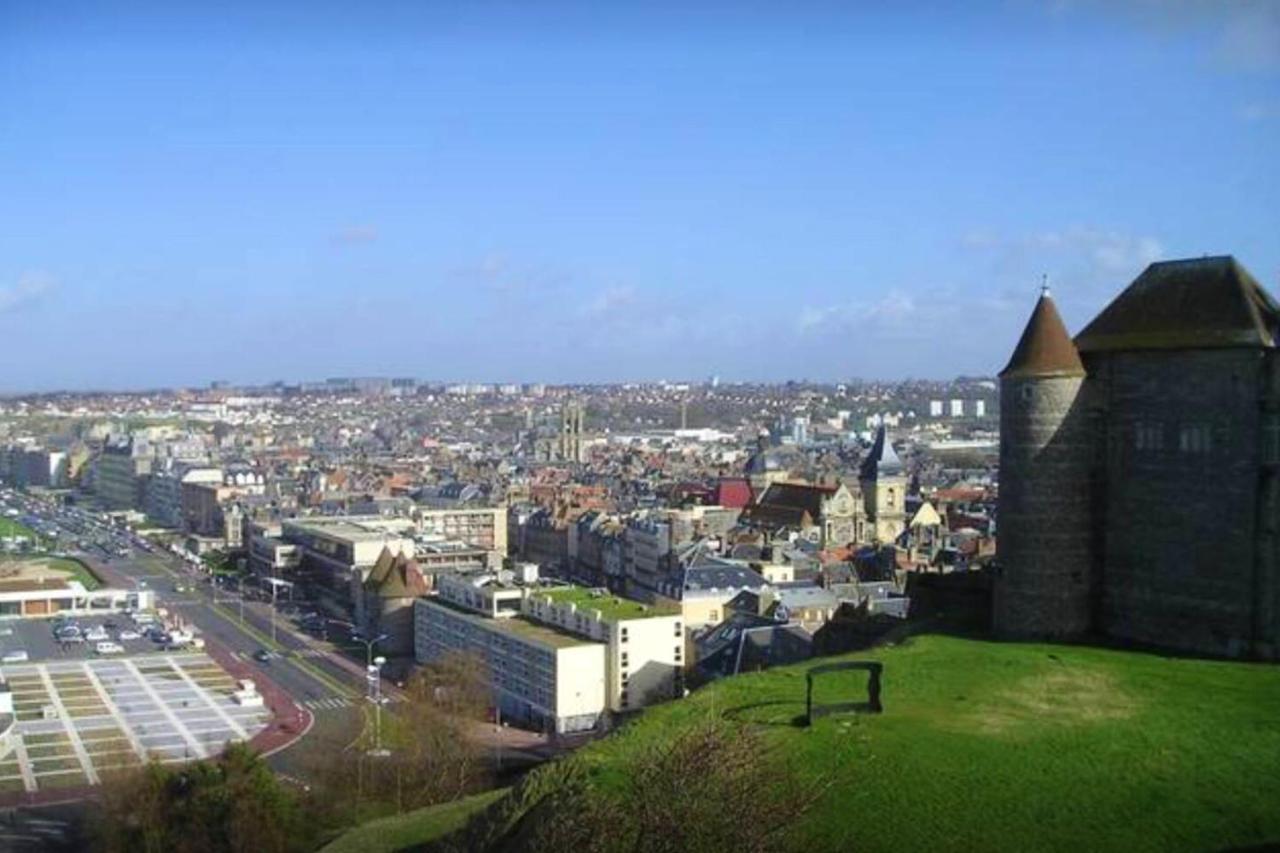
(262,656)
(66,633)
(15,656)
(109,648)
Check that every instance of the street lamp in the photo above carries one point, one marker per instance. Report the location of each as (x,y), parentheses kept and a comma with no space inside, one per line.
(368,644)
(374,675)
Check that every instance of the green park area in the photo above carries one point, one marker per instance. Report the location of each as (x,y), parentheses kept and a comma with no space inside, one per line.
(10,528)
(73,569)
(403,831)
(986,746)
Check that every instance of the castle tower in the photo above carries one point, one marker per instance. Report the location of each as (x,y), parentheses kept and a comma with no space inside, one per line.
(1044,535)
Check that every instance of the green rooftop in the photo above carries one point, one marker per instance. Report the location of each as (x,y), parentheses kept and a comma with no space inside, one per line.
(611,607)
(519,626)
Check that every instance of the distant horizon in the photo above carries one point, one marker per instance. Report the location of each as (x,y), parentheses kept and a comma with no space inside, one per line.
(443,383)
(603,192)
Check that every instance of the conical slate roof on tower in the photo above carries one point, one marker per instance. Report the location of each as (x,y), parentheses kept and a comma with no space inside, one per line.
(1045,348)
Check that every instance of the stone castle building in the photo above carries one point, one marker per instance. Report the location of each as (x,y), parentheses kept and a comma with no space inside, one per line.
(1139,465)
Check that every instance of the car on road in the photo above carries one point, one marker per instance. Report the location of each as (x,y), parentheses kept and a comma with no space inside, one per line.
(130,635)
(262,656)
(15,656)
(67,632)
(109,648)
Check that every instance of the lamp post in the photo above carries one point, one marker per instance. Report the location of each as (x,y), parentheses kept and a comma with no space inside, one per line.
(368,644)
(374,675)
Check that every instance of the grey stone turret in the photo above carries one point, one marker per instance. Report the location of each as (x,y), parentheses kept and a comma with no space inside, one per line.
(1045,587)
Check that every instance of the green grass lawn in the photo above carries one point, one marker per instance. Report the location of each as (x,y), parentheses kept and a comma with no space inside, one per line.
(9,527)
(73,568)
(991,746)
(412,828)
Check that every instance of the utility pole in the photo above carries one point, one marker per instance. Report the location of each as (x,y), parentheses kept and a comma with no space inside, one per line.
(273,610)
(240,591)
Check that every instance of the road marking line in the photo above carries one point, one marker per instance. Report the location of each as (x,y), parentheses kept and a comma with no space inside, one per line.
(178,727)
(24,765)
(81,753)
(115,712)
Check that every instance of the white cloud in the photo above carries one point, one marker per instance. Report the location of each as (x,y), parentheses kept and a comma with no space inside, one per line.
(1255,112)
(355,235)
(1082,255)
(31,287)
(610,300)
(891,312)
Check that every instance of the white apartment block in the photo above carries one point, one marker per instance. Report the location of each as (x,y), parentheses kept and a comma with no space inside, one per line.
(541,677)
(645,642)
(640,647)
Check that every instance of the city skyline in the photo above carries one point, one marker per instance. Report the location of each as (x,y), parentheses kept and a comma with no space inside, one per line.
(574,194)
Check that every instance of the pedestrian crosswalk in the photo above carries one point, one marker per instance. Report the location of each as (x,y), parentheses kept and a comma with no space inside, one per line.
(334,703)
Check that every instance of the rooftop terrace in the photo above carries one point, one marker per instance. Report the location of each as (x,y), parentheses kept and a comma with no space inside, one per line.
(518,626)
(612,608)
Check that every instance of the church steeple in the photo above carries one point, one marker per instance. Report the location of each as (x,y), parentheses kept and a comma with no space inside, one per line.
(1045,348)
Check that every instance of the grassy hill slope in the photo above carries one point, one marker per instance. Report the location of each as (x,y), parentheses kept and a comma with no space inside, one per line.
(998,746)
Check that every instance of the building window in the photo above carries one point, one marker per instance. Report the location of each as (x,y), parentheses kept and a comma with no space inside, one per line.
(1195,438)
(677,629)
(1271,441)
(1148,435)
(623,636)
(714,616)
(624,658)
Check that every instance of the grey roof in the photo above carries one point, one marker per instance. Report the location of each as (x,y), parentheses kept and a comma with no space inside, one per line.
(881,460)
(1188,304)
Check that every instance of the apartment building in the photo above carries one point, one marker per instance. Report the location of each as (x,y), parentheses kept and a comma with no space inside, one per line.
(480,527)
(542,677)
(644,642)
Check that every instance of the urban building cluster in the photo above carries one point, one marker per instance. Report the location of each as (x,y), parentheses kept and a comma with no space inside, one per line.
(601,548)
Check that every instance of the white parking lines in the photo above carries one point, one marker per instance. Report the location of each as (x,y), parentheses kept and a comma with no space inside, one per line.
(82,755)
(196,747)
(329,704)
(115,712)
(24,766)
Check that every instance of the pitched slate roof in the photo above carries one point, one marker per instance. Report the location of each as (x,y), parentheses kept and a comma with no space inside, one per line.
(1045,349)
(1197,303)
(882,460)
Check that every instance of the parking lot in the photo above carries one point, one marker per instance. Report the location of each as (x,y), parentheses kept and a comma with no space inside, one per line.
(82,715)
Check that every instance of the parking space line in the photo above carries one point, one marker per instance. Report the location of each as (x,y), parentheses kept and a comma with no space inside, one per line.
(81,754)
(115,712)
(196,746)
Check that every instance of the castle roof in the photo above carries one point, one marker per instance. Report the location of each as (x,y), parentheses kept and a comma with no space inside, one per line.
(1045,348)
(1198,303)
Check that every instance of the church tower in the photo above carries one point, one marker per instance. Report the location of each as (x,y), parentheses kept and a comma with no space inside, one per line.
(884,491)
(1044,525)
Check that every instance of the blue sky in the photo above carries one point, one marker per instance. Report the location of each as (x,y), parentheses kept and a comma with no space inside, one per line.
(600,192)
